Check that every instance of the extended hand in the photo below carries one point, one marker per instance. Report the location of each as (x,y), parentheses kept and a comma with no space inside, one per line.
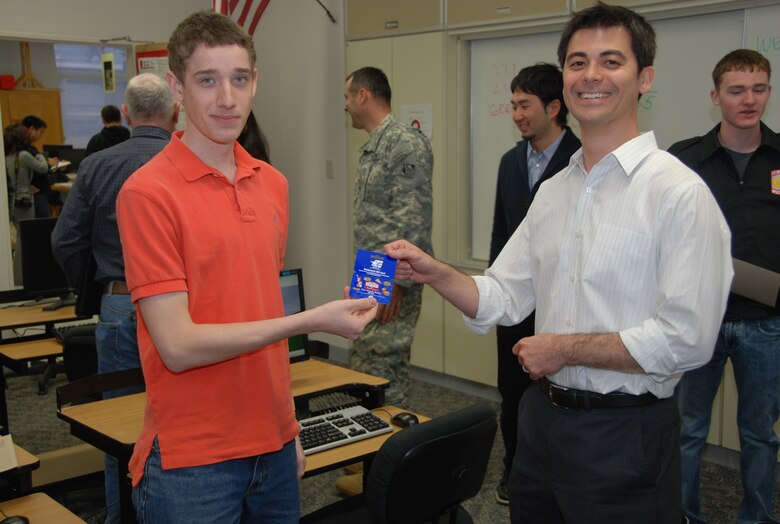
(413,263)
(346,318)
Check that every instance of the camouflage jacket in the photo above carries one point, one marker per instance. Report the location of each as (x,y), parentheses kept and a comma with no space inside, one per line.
(393,193)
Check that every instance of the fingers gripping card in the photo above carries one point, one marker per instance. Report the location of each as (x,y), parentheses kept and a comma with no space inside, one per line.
(373,276)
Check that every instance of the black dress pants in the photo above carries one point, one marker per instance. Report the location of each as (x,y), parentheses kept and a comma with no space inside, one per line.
(600,466)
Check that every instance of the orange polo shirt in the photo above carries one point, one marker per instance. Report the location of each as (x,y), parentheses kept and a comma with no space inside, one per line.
(186,227)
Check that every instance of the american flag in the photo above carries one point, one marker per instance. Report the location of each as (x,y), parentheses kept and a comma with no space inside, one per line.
(246,13)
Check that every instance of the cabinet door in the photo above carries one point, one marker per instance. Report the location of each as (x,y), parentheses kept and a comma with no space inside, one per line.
(468,11)
(43,103)
(370,18)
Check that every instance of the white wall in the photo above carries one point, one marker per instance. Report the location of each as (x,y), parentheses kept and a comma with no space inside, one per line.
(300,107)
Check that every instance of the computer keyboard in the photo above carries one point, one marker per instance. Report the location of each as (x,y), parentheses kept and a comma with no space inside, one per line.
(59,332)
(339,428)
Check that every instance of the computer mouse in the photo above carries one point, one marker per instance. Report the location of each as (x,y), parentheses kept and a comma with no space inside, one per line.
(15,519)
(405,419)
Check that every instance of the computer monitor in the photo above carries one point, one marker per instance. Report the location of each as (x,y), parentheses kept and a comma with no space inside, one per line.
(291,282)
(42,277)
(54,149)
(74,156)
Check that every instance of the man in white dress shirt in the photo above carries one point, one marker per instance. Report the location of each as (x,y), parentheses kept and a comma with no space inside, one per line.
(625,256)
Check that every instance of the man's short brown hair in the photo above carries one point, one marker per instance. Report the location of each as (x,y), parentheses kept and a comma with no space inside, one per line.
(208,28)
(740,60)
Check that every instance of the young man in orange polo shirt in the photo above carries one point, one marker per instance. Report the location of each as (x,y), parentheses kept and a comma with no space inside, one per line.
(203,228)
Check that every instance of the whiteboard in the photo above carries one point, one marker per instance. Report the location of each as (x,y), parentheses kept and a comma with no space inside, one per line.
(762,33)
(677,107)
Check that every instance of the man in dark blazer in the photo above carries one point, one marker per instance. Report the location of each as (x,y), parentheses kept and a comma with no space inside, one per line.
(540,114)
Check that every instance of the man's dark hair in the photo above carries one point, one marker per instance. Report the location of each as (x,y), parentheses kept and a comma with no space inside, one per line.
(741,60)
(605,16)
(208,28)
(110,114)
(373,80)
(34,122)
(544,81)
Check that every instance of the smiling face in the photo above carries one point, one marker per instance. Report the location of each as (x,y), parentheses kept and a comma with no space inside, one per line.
(742,97)
(217,94)
(531,117)
(601,80)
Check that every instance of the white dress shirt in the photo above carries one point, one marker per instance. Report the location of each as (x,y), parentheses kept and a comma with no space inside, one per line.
(638,246)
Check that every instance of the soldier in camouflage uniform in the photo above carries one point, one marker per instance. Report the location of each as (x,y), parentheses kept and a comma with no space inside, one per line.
(393,199)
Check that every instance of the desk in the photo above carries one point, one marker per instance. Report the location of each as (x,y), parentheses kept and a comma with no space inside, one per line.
(113,425)
(21,477)
(39,507)
(14,352)
(18,317)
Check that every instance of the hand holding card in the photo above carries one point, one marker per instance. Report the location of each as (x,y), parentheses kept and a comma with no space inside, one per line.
(373,276)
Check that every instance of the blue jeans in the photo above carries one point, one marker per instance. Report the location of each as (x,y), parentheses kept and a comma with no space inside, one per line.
(260,489)
(117,347)
(754,349)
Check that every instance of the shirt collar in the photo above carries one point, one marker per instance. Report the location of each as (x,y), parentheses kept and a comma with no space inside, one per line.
(551,149)
(192,167)
(628,155)
(376,135)
(710,142)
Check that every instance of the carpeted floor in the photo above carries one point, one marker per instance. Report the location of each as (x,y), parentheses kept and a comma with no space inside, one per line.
(35,427)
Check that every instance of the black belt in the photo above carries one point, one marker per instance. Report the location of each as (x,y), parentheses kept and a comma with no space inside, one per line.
(570,398)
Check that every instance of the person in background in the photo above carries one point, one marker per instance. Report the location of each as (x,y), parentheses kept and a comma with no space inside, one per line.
(41,181)
(20,167)
(87,228)
(204,228)
(540,115)
(113,131)
(393,199)
(253,140)
(739,159)
(625,257)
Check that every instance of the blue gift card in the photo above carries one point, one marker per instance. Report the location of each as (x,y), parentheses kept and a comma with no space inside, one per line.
(373,276)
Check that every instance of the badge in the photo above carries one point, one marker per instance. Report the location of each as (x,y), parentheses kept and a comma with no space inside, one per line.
(775,175)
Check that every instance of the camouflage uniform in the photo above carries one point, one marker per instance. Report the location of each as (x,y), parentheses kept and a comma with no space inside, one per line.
(393,200)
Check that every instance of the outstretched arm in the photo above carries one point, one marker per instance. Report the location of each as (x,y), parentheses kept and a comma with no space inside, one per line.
(184,345)
(416,265)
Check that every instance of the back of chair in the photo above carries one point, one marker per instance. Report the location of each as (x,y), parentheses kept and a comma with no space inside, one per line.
(429,469)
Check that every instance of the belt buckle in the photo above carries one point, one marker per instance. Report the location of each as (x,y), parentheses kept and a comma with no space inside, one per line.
(550,389)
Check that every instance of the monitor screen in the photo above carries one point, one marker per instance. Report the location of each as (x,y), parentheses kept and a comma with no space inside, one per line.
(74,156)
(291,282)
(42,277)
(54,149)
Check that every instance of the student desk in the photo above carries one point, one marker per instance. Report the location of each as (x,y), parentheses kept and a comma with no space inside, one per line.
(113,425)
(19,317)
(16,352)
(20,478)
(39,507)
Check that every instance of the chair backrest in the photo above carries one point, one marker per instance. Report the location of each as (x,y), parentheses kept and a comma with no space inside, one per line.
(79,352)
(428,469)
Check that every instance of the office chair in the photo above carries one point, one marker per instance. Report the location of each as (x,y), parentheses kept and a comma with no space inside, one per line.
(422,473)
(79,352)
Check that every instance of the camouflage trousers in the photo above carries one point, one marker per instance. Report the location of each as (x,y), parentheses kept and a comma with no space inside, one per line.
(383,349)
